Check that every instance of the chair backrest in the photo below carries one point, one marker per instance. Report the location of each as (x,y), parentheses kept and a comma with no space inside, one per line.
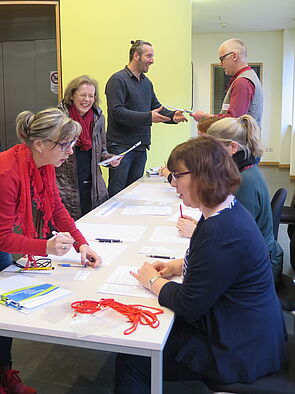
(277,203)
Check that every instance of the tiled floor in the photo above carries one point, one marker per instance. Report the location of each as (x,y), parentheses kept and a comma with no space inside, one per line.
(55,369)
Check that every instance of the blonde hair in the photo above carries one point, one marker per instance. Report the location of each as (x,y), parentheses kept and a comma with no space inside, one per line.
(243,130)
(75,84)
(49,124)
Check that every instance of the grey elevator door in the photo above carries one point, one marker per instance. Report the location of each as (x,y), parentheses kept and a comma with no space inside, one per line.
(26,82)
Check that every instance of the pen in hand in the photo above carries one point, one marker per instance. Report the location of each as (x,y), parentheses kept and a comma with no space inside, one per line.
(110,240)
(56,233)
(180,208)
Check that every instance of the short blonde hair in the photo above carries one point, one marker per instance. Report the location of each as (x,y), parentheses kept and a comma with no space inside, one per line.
(75,84)
(243,130)
(49,124)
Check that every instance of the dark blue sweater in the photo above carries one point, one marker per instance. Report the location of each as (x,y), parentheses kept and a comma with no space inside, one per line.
(130,102)
(231,314)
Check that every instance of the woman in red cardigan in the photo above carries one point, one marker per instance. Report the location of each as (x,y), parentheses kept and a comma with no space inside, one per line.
(30,201)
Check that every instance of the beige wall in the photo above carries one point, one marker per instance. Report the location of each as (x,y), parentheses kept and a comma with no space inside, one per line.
(95,40)
(263,47)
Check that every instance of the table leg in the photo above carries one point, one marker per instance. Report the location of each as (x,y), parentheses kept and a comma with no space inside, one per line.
(157,372)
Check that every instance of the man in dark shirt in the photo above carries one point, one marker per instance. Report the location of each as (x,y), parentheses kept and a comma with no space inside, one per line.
(132,108)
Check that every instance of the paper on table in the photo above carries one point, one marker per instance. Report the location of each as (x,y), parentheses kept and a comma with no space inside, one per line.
(195,213)
(113,231)
(133,291)
(147,210)
(108,209)
(108,252)
(123,283)
(152,192)
(107,161)
(19,282)
(167,234)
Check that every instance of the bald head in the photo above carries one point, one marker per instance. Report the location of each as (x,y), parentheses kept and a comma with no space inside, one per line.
(235,45)
(233,56)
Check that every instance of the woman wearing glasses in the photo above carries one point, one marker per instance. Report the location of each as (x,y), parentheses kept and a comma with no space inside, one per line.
(30,202)
(229,325)
(80,179)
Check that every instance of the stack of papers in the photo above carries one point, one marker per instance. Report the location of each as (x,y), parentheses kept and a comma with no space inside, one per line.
(26,294)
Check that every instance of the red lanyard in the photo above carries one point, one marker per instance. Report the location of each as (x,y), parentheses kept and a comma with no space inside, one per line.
(135,313)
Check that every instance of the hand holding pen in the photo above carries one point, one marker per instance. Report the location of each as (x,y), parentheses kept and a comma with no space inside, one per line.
(59,244)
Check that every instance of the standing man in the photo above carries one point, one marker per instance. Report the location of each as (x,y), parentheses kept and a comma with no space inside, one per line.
(244,95)
(132,108)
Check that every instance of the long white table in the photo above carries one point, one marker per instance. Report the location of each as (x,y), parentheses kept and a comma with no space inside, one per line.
(52,323)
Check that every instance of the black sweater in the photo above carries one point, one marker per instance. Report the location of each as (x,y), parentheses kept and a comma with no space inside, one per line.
(130,102)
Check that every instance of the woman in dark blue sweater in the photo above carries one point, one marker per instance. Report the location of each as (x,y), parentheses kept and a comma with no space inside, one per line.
(229,326)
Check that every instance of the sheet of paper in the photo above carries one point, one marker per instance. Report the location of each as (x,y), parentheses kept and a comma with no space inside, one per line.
(153,210)
(107,161)
(122,232)
(82,275)
(152,192)
(107,251)
(133,291)
(193,212)
(123,283)
(167,234)
(108,209)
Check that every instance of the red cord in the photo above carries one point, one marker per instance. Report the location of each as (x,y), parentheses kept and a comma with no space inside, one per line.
(135,313)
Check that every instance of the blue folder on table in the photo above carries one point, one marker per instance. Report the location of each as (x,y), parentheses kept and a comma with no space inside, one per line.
(27,294)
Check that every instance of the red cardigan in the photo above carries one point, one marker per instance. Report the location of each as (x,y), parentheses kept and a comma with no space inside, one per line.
(12,242)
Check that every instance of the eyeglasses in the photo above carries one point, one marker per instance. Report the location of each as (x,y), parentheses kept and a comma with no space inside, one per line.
(64,145)
(224,56)
(177,175)
(86,96)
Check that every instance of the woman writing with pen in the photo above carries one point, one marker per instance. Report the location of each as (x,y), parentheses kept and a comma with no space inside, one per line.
(30,203)
(229,325)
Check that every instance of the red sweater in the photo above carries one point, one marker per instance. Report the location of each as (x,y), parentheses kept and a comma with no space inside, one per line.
(12,242)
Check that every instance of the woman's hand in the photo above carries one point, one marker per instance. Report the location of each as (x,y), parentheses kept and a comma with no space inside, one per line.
(145,273)
(116,162)
(89,256)
(163,171)
(166,270)
(60,244)
(186,226)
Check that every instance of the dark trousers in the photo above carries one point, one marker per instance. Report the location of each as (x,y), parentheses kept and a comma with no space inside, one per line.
(5,342)
(133,373)
(130,169)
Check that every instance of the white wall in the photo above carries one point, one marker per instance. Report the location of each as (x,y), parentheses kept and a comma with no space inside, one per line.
(263,47)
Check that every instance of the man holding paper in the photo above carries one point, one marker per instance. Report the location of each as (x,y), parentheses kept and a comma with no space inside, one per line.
(132,108)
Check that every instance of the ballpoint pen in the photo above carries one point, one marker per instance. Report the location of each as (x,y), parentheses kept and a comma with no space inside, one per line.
(180,208)
(108,240)
(61,235)
(155,256)
(71,265)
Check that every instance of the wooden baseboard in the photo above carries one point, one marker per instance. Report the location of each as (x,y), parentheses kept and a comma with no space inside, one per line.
(269,163)
(284,166)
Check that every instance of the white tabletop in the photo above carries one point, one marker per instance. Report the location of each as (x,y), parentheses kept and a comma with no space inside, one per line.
(53,323)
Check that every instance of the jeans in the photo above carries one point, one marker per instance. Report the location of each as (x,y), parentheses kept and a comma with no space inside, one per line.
(5,260)
(5,342)
(133,373)
(130,169)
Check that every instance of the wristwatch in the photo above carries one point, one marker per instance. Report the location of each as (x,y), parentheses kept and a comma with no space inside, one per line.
(152,280)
